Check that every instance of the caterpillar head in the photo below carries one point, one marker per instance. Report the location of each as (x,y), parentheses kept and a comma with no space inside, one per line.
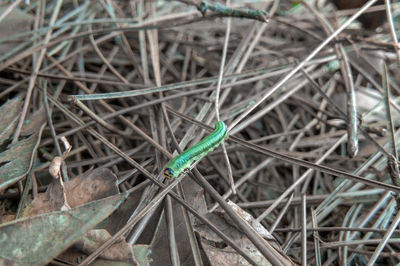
(168,173)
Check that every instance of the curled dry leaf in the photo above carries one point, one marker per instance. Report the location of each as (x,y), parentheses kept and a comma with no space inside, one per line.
(67,146)
(55,167)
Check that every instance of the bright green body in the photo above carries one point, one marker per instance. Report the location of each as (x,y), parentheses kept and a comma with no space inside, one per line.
(183,161)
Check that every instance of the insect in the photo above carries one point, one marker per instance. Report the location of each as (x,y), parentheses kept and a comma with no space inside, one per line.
(183,161)
(230,12)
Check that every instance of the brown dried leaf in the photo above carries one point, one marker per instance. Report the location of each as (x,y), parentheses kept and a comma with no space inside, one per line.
(218,252)
(194,195)
(257,228)
(34,122)
(228,256)
(93,239)
(51,200)
(160,244)
(121,216)
(9,117)
(15,22)
(7,218)
(256,225)
(36,240)
(17,160)
(90,186)
(55,167)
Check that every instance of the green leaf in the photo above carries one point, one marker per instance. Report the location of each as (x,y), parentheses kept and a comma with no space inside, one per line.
(37,240)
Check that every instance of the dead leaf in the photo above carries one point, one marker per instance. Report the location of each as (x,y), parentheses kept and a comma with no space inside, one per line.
(9,114)
(17,160)
(228,256)
(95,238)
(141,255)
(34,122)
(101,262)
(121,216)
(90,186)
(160,244)
(256,225)
(37,240)
(194,195)
(55,167)
(51,200)
(7,218)
(73,256)
(219,253)
(15,22)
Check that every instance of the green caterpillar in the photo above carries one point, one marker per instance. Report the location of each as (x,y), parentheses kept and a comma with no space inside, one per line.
(183,161)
